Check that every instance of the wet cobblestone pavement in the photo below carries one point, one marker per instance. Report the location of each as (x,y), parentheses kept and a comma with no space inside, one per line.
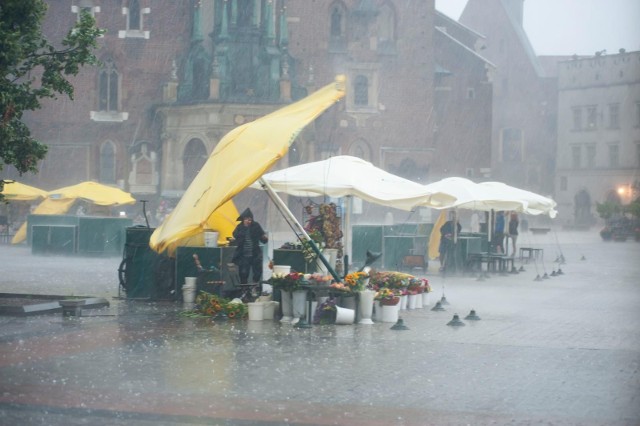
(563,351)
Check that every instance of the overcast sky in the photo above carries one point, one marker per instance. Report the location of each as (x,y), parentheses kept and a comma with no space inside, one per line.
(565,27)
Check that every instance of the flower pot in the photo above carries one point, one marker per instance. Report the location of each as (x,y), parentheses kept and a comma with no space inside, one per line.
(348,302)
(413,301)
(211,238)
(377,311)
(366,306)
(426,299)
(390,313)
(270,310)
(287,307)
(314,306)
(344,315)
(281,269)
(189,290)
(256,311)
(404,300)
(299,302)
(331,255)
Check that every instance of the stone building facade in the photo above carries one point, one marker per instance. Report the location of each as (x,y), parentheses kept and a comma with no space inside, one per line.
(177,76)
(524,97)
(598,155)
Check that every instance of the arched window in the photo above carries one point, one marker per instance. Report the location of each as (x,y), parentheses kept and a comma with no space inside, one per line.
(360,148)
(108,87)
(361,90)
(195,155)
(108,162)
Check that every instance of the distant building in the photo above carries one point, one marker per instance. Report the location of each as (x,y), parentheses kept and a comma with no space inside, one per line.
(176,76)
(463,99)
(524,97)
(598,155)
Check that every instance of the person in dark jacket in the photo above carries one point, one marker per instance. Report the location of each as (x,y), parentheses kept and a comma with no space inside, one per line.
(248,255)
(447,232)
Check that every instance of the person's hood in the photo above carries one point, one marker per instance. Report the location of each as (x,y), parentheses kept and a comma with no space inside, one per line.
(246,213)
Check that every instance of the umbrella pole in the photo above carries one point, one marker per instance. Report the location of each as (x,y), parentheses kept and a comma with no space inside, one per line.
(297,227)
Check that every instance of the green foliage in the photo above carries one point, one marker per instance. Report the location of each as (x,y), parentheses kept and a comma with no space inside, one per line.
(32,69)
(608,209)
(634,208)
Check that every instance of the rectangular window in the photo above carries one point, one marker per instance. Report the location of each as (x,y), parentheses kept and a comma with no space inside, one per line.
(576,154)
(563,183)
(591,156)
(614,156)
(592,117)
(134,24)
(577,118)
(614,113)
(471,93)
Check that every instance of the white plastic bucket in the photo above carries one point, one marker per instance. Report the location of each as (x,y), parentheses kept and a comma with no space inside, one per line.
(390,313)
(211,238)
(345,316)
(189,290)
(270,310)
(331,255)
(256,311)
(281,269)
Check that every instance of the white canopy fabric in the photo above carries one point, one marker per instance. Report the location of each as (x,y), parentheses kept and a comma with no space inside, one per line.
(345,175)
(488,196)
(532,203)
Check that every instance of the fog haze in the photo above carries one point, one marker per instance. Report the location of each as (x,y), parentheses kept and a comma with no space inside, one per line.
(565,27)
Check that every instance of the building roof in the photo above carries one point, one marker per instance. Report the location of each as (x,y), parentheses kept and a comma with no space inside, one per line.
(464,46)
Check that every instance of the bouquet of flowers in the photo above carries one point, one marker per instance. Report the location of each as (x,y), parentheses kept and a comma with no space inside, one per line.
(342,287)
(357,281)
(207,305)
(415,286)
(326,312)
(387,296)
(392,280)
(235,309)
(317,278)
(287,282)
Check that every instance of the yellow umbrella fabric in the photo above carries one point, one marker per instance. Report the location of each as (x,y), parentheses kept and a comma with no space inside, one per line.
(240,158)
(60,200)
(94,192)
(223,220)
(47,206)
(20,192)
(434,239)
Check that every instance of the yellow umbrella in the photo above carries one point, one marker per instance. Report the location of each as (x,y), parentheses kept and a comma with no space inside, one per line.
(59,201)
(434,239)
(240,158)
(94,192)
(223,220)
(20,192)
(47,206)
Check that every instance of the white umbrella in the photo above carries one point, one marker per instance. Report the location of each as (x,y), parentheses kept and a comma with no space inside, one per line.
(532,203)
(344,175)
(472,196)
